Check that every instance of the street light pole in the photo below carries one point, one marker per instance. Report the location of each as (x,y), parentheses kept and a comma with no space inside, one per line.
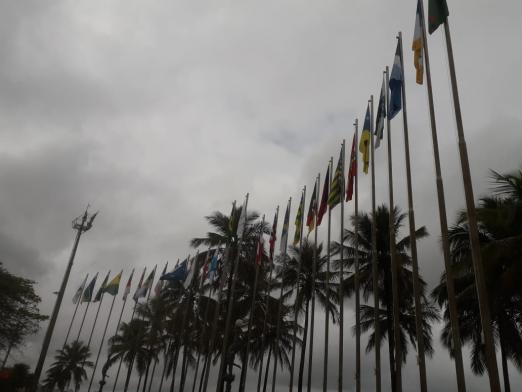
(81,224)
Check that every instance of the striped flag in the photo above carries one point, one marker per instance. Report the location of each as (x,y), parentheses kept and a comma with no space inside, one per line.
(364,143)
(381,117)
(89,290)
(273,235)
(284,233)
(418,46)
(312,210)
(395,104)
(299,221)
(79,292)
(324,198)
(101,290)
(128,286)
(336,189)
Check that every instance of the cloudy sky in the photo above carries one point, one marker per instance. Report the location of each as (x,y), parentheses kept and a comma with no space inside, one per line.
(158,113)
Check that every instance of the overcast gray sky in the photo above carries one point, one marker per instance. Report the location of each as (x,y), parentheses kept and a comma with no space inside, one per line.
(158,113)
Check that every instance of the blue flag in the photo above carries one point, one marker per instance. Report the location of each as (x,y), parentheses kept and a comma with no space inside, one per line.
(178,275)
(89,290)
(214,265)
(395,104)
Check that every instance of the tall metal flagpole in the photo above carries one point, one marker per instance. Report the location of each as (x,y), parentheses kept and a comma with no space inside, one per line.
(480,282)
(244,369)
(393,251)
(263,337)
(278,330)
(296,309)
(450,284)
(74,314)
(327,283)
(375,266)
(226,267)
(83,320)
(341,277)
(81,225)
(102,341)
(224,354)
(356,276)
(314,272)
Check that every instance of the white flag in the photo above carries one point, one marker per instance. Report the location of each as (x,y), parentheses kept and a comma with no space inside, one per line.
(79,292)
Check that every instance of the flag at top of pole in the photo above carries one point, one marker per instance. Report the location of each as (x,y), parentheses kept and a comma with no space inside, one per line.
(273,234)
(140,283)
(159,284)
(352,172)
(299,220)
(323,207)
(364,143)
(179,274)
(241,223)
(395,103)
(101,290)
(214,265)
(312,210)
(336,192)
(418,46)
(79,292)
(381,116)
(437,14)
(284,232)
(114,285)
(89,290)
(128,286)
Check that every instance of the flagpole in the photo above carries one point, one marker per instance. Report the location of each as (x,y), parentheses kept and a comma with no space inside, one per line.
(132,317)
(296,310)
(102,341)
(224,353)
(341,277)
(268,291)
(222,280)
(327,283)
(244,369)
(356,277)
(74,314)
(83,320)
(485,316)
(97,311)
(450,284)
(375,266)
(393,251)
(314,268)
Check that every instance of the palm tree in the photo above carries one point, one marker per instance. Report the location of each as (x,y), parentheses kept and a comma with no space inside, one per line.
(302,260)
(500,234)
(130,344)
(69,365)
(406,302)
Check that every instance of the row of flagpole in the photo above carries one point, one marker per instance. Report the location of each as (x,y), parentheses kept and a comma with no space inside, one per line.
(392,100)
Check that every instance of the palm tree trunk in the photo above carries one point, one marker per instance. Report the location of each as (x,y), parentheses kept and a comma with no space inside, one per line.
(129,372)
(505,370)
(389,327)
(267,368)
(303,349)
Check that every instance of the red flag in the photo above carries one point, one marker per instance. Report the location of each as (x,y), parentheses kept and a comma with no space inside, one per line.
(259,252)
(352,172)
(324,199)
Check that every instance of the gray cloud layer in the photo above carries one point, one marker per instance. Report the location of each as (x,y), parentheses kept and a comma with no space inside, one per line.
(160,113)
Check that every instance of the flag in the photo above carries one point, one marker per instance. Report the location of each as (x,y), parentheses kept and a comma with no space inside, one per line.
(114,285)
(190,274)
(352,172)
(260,249)
(206,266)
(178,275)
(135,296)
(284,232)
(381,117)
(241,223)
(128,286)
(299,221)
(89,290)
(79,292)
(437,14)
(336,192)
(395,104)
(418,46)
(101,290)
(273,235)
(214,265)
(147,285)
(312,210)
(324,198)
(159,284)
(364,143)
